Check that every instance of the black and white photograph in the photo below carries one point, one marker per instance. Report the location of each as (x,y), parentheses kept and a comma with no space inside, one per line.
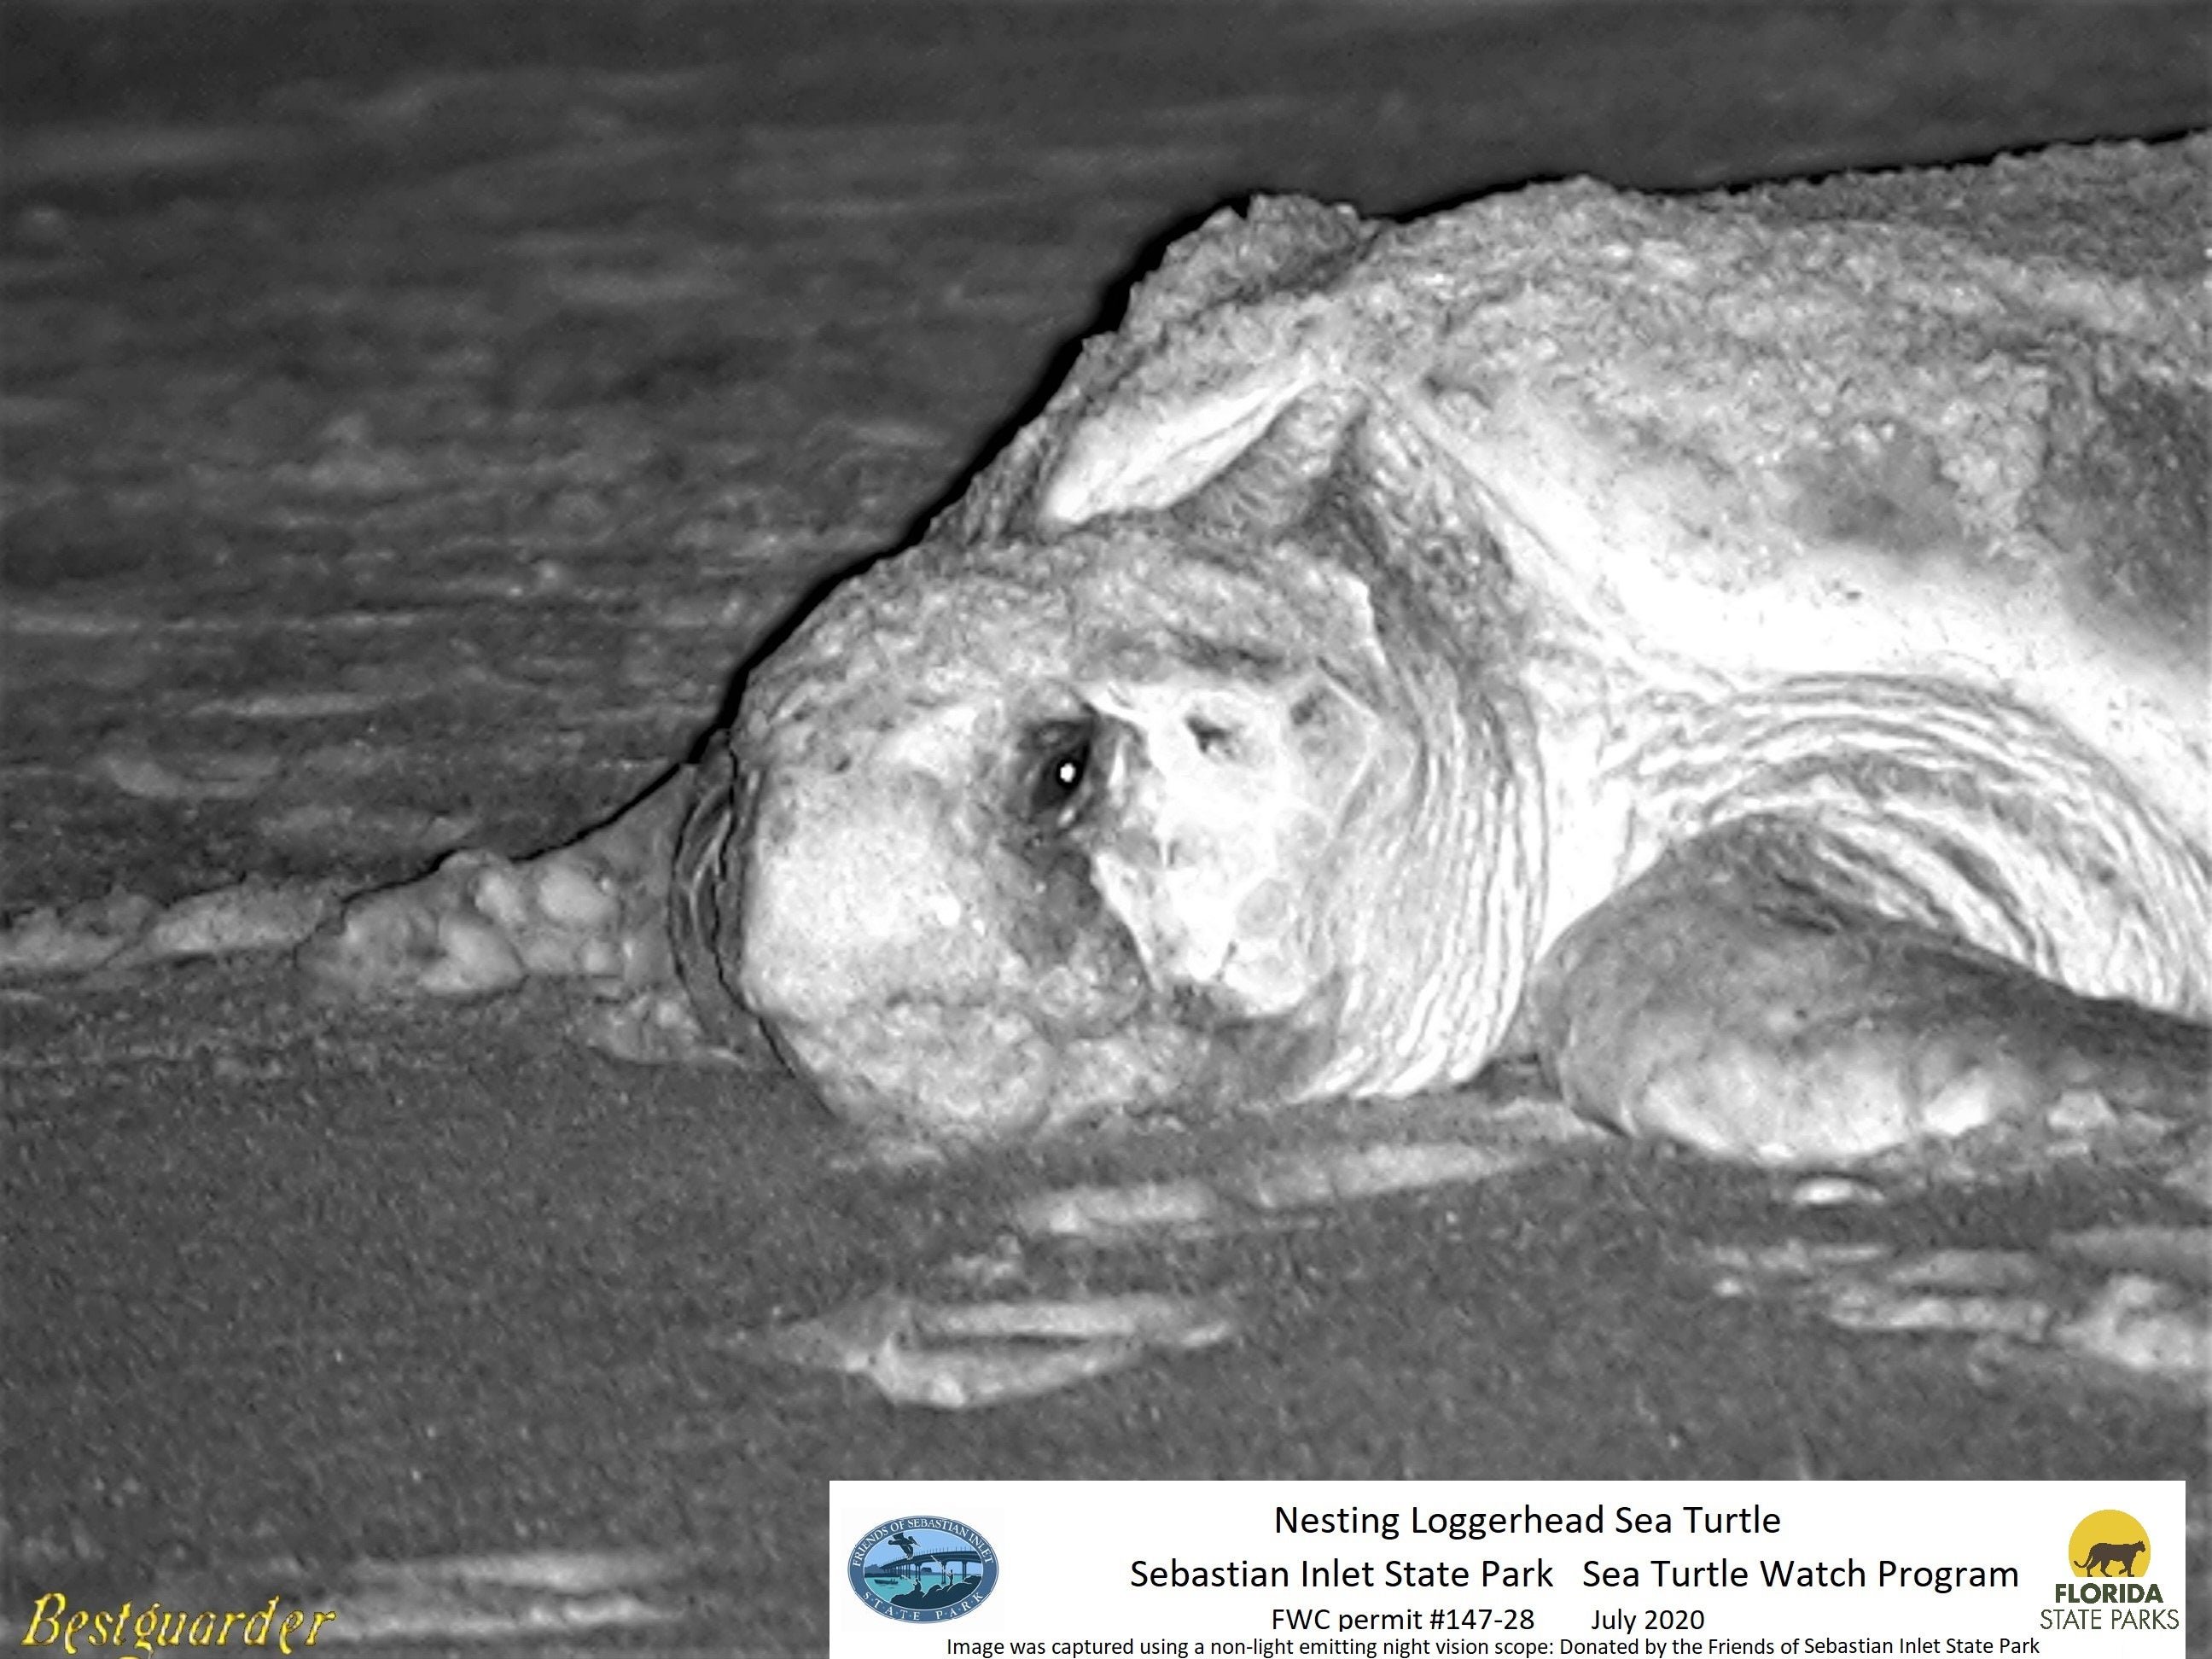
(748,742)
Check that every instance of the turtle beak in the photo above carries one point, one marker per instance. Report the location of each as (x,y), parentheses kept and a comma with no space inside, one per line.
(853,896)
(905,961)
(800,904)
(852,910)
(705,893)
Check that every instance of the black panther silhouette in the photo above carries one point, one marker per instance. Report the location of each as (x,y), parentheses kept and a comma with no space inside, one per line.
(2107,1556)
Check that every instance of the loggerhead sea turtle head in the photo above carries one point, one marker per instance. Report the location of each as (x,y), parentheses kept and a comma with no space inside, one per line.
(1195,803)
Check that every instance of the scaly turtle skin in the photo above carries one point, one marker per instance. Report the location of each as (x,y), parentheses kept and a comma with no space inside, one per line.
(1750,649)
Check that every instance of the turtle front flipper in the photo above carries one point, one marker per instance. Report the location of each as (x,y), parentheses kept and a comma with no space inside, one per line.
(596,910)
(1737,997)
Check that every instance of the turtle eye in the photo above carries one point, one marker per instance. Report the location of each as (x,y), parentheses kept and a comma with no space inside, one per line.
(1060,764)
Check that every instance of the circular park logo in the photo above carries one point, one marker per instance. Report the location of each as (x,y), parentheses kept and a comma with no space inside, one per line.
(922,1569)
(2109,1544)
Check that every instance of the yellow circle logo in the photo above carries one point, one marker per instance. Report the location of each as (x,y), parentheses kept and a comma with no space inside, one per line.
(2109,1544)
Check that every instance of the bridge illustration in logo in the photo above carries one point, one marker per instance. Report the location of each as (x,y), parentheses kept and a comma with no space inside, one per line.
(923,1566)
(904,1560)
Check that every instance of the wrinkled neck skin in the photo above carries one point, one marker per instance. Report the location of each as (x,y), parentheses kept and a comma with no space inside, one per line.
(1027,835)
(1439,890)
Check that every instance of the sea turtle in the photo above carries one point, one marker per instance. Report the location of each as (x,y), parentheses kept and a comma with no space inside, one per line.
(1749,649)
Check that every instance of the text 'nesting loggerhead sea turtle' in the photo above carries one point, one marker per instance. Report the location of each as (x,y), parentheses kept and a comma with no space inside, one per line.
(1749,649)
